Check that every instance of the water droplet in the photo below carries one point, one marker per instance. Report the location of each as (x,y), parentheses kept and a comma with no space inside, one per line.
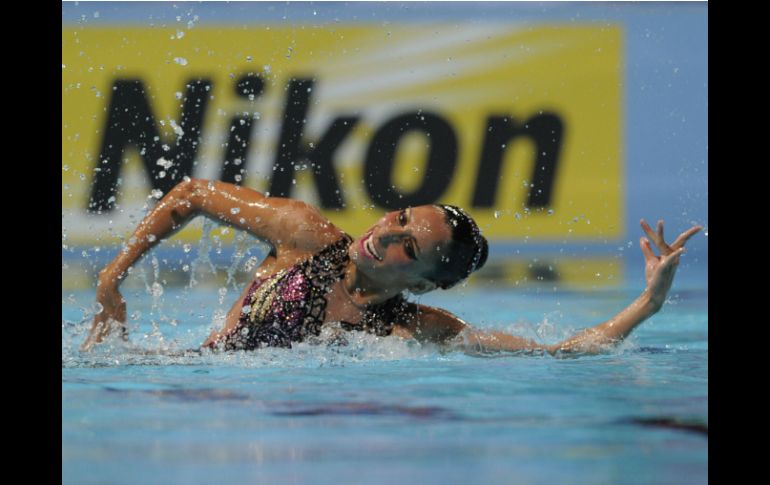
(235,210)
(497,214)
(177,129)
(178,94)
(162,162)
(97,308)
(181,61)
(187,247)
(156,193)
(156,290)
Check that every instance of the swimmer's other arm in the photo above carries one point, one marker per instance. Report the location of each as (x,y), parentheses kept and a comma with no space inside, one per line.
(440,326)
(284,223)
(437,325)
(288,225)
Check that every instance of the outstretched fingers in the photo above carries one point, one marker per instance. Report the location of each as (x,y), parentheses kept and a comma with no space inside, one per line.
(685,236)
(657,237)
(648,230)
(644,243)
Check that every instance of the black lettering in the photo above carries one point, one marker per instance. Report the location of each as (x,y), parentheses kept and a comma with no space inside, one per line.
(249,86)
(236,150)
(546,130)
(442,159)
(540,271)
(131,123)
(291,151)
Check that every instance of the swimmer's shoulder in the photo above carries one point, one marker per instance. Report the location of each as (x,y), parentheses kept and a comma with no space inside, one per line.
(428,324)
(310,232)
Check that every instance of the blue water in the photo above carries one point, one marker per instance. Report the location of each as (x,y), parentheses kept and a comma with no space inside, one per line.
(382,410)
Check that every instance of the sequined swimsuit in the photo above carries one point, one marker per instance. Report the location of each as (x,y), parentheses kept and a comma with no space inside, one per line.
(290,305)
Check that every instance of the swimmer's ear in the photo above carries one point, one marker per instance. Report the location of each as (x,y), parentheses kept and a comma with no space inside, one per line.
(423,286)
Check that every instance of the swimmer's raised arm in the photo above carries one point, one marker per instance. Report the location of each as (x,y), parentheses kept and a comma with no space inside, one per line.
(441,326)
(288,225)
(659,272)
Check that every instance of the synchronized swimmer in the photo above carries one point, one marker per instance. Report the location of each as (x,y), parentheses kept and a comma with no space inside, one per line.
(315,274)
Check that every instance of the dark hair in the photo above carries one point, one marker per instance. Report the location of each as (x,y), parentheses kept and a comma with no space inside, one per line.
(467,252)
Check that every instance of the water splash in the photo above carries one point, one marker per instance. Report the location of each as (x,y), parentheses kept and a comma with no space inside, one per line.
(203,260)
(241,244)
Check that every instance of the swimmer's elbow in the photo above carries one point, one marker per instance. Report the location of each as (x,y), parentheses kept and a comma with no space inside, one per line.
(192,191)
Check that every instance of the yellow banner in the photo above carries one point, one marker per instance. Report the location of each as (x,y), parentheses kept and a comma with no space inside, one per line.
(519,125)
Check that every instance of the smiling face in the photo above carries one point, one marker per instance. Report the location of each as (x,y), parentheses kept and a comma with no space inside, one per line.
(402,247)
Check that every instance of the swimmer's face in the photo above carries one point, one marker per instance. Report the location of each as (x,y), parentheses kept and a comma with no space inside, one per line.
(402,246)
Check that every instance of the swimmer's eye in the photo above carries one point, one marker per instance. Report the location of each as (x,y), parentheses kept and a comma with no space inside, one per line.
(408,243)
(402,217)
(409,248)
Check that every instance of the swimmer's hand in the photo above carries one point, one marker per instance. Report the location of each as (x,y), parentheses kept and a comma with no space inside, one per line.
(659,270)
(113,314)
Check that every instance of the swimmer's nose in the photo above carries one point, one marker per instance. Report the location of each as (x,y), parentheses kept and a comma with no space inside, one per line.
(391,236)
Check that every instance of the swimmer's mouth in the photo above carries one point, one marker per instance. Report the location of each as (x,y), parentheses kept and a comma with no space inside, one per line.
(368,246)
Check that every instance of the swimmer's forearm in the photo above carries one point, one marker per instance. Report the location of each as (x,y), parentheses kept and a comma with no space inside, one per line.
(591,340)
(614,330)
(480,341)
(166,218)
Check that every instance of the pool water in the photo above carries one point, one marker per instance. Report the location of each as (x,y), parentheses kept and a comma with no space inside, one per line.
(380,410)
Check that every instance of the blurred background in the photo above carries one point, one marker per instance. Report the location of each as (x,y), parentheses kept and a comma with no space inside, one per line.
(556,125)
